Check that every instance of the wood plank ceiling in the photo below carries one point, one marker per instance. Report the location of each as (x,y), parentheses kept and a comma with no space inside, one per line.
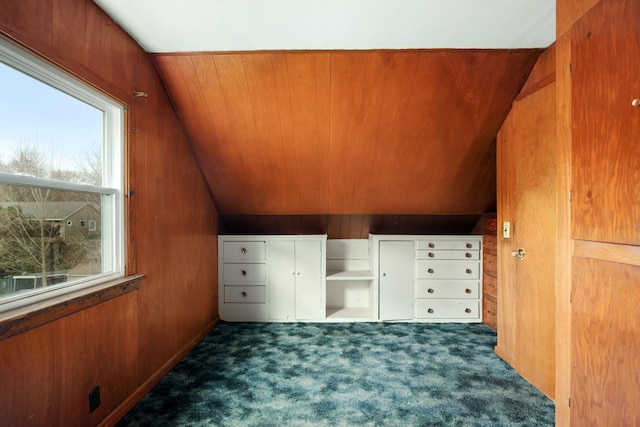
(347,132)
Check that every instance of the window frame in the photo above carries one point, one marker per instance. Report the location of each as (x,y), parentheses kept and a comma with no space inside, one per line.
(112,175)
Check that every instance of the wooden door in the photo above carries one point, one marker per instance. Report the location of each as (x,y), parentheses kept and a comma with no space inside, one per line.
(534,231)
(281,279)
(309,304)
(527,200)
(396,276)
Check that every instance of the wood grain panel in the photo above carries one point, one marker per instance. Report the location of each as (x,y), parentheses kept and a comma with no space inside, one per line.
(309,99)
(543,73)
(506,316)
(606,153)
(622,254)
(27,378)
(534,229)
(382,132)
(476,179)
(27,17)
(114,339)
(563,257)
(69,19)
(69,375)
(260,125)
(489,271)
(605,344)
(570,11)
(347,226)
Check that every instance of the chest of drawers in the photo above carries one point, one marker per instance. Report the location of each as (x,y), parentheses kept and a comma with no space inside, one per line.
(448,278)
(243,279)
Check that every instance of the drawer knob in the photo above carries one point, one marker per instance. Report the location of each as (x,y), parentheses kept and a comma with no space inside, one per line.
(469,245)
(468,255)
(430,271)
(431,254)
(468,271)
(430,311)
(468,291)
(636,102)
(431,245)
(243,250)
(430,290)
(467,310)
(244,273)
(244,294)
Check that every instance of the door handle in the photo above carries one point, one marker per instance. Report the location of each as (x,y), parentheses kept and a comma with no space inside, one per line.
(520,253)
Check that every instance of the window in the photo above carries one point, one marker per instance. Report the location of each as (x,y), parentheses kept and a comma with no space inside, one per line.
(61,151)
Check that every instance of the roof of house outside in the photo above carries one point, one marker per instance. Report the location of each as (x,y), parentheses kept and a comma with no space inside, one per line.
(51,211)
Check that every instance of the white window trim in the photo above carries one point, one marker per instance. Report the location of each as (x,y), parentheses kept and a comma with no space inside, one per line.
(113,176)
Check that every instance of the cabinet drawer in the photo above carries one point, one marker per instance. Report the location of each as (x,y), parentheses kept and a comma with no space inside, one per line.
(436,289)
(460,255)
(244,272)
(447,269)
(240,251)
(490,286)
(245,294)
(449,244)
(447,309)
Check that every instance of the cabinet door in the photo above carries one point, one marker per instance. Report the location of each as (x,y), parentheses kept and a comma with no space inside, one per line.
(605,205)
(281,280)
(396,280)
(527,199)
(309,304)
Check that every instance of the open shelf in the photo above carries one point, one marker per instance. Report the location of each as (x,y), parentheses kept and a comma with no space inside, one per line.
(349,313)
(350,293)
(350,275)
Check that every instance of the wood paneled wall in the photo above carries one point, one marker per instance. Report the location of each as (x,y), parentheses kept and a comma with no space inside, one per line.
(605,163)
(129,342)
(367,132)
(348,226)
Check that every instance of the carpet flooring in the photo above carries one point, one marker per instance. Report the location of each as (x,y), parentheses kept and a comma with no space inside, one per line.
(343,374)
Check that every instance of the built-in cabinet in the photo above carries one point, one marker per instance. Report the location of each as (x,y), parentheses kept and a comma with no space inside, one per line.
(429,278)
(271,278)
(387,278)
(295,273)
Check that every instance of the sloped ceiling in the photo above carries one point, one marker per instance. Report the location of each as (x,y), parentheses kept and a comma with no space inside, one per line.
(285,120)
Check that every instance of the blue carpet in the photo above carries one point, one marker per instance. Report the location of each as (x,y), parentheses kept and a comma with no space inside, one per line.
(343,374)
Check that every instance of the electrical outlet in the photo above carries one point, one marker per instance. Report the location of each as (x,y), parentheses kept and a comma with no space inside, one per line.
(94,398)
(506,230)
